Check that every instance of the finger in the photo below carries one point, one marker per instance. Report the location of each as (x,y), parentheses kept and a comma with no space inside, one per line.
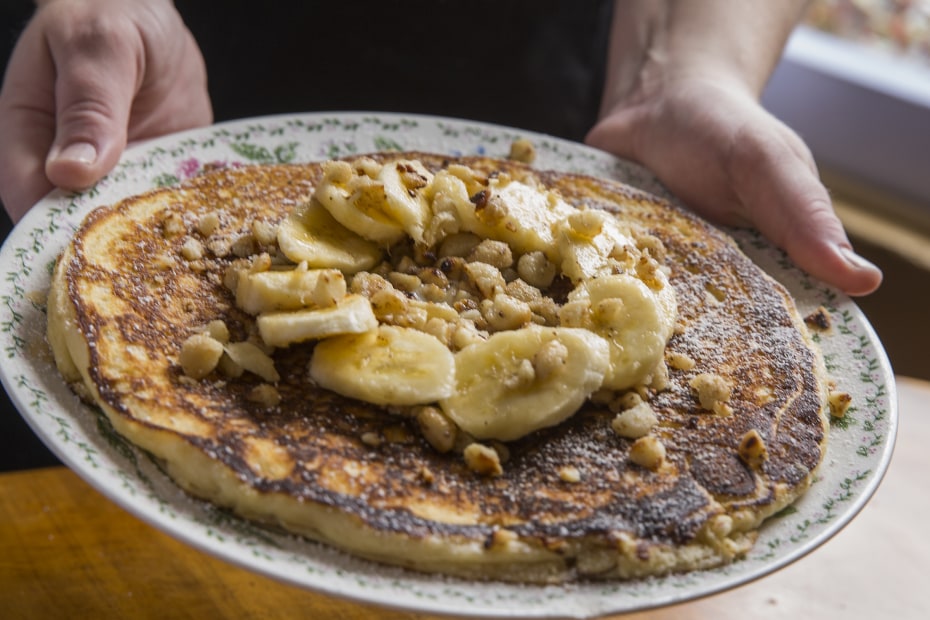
(98,68)
(615,134)
(22,170)
(27,125)
(786,201)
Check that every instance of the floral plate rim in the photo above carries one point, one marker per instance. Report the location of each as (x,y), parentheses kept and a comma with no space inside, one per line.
(861,444)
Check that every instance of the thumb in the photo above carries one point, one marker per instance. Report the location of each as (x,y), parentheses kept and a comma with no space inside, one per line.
(94,89)
(793,208)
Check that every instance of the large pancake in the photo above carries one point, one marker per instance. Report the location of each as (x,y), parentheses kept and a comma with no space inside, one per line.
(122,303)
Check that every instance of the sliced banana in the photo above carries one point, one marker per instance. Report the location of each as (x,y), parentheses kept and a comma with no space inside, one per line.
(518,214)
(310,234)
(635,320)
(351,315)
(357,202)
(591,243)
(388,365)
(404,183)
(520,381)
(291,289)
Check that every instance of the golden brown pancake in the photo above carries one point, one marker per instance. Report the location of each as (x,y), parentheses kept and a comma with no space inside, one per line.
(123,302)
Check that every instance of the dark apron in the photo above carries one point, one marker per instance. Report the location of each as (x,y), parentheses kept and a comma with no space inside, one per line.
(533,64)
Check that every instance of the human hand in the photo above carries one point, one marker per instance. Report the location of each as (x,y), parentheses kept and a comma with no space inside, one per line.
(724,156)
(85,78)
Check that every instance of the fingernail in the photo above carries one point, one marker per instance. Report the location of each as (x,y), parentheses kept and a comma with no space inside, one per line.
(855,260)
(82,152)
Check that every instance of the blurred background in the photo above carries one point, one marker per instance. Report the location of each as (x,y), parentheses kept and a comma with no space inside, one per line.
(854,83)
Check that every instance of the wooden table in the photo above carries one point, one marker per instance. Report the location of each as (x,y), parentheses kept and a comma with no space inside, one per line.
(67,552)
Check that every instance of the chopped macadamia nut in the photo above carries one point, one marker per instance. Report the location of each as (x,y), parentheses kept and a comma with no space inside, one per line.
(483,460)
(367,284)
(637,421)
(713,392)
(438,430)
(164,262)
(397,434)
(502,538)
(389,305)
(244,246)
(458,245)
(819,319)
(219,246)
(518,289)
(680,361)
(659,379)
(426,476)
(372,439)
(496,253)
(263,262)
(265,395)
(536,269)
(250,357)
(173,226)
(486,278)
(839,403)
(192,249)
(264,233)
(208,224)
(404,281)
(550,359)
(651,245)
(505,312)
(752,449)
(199,355)
(218,331)
(570,474)
(338,172)
(465,333)
(648,452)
(721,526)
(229,368)
(522,150)
(627,400)
(586,223)
(647,270)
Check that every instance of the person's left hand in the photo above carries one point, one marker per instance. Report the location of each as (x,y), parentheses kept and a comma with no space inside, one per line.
(724,156)
(87,77)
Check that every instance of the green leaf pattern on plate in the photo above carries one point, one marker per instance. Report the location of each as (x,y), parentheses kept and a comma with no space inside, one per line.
(82,436)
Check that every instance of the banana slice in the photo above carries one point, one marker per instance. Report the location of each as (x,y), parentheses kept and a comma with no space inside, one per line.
(518,214)
(636,321)
(351,315)
(357,202)
(310,234)
(388,365)
(405,199)
(291,289)
(591,243)
(520,381)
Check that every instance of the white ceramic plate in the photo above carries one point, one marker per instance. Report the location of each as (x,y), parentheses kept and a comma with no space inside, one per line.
(860,445)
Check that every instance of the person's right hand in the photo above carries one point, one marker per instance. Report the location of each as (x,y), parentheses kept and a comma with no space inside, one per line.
(87,77)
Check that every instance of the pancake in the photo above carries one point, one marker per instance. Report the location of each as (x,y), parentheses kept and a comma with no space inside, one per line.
(738,397)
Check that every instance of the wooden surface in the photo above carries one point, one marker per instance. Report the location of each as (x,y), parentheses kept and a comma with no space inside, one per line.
(67,552)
